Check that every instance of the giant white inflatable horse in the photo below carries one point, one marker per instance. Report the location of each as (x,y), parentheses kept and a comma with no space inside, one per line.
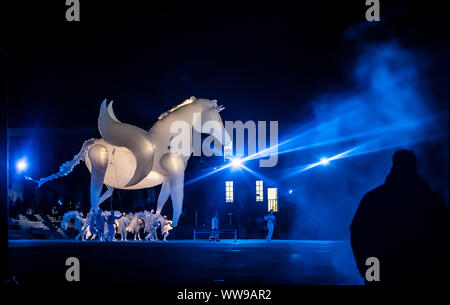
(130,158)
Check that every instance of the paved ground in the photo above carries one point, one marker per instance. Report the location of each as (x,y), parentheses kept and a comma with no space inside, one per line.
(253,262)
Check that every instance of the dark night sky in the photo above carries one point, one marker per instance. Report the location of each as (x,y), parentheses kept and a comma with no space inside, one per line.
(263,62)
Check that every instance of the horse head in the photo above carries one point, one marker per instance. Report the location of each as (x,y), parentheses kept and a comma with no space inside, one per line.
(211,121)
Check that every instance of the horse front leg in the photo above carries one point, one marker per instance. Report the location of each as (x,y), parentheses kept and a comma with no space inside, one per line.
(176,193)
(174,166)
(163,195)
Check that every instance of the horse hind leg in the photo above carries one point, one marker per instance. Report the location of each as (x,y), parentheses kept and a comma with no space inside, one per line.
(98,155)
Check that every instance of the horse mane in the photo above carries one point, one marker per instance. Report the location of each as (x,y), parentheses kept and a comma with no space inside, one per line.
(186,102)
(190,100)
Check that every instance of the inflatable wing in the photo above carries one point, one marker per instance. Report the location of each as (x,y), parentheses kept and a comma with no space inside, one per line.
(135,139)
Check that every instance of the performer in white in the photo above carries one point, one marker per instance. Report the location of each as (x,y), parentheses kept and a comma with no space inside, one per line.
(137,223)
(270,218)
(87,231)
(147,223)
(130,158)
(122,225)
(151,224)
(166,226)
(156,225)
(215,227)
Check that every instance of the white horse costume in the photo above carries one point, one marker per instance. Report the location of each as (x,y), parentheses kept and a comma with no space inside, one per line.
(151,224)
(122,225)
(130,158)
(76,217)
(137,223)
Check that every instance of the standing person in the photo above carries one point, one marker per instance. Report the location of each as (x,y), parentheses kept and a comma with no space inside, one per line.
(86,231)
(110,220)
(155,226)
(215,227)
(79,225)
(90,219)
(404,225)
(166,227)
(137,223)
(122,225)
(270,218)
(100,224)
(148,224)
(151,224)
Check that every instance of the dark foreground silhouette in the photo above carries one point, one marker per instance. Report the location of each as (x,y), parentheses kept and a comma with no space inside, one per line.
(404,224)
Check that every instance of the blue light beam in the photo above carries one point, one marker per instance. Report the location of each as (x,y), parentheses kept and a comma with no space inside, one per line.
(21,165)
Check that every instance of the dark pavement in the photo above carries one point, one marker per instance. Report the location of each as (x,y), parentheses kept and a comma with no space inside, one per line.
(249,262)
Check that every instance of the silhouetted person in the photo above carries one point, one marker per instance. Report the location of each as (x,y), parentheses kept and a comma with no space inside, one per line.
(404,224)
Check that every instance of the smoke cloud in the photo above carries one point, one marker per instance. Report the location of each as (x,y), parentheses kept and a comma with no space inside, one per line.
(386,106)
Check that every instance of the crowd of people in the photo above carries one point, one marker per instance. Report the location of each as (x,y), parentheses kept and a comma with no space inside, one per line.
(106,225)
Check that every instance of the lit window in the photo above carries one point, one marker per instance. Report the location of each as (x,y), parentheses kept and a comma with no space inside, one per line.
(259,190)
(229,191)
(272,199)
(228,150)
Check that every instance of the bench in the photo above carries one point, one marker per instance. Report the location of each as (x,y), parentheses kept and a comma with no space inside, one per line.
(233,232)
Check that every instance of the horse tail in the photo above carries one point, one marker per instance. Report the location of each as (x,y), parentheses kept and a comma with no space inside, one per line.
(68,166)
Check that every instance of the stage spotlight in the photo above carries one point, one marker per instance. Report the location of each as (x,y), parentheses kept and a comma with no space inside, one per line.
(324,161)
(21,165)
(291,191)
(236,162)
